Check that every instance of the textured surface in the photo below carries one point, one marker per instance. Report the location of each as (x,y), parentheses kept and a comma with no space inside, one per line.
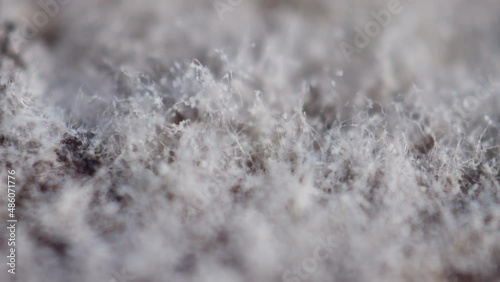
(182,142)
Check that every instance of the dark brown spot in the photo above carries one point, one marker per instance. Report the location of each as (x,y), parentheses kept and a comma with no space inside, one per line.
(424,146)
